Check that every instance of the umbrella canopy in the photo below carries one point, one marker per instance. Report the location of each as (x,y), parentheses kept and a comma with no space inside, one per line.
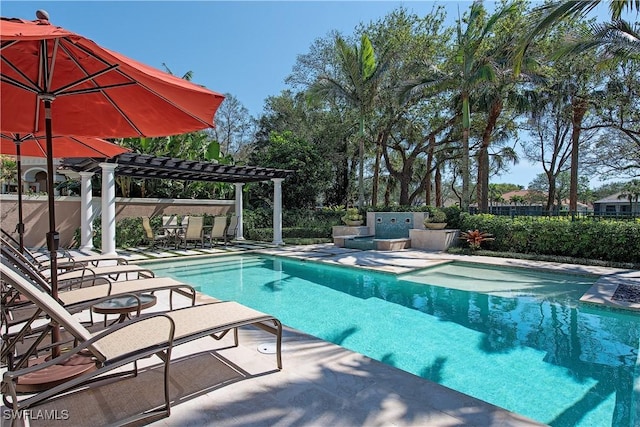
(63,147)
(55,80)
(95,91)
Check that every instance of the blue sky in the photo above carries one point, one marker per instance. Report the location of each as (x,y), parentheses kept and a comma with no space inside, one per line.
(246,48)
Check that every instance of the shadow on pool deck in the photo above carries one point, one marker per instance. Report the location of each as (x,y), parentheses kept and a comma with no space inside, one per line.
(321,385)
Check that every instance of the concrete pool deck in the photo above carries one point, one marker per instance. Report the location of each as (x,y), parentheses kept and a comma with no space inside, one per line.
(321,384)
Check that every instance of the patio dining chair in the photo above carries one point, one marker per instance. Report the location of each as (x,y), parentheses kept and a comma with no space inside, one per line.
(152,237)
(193,233)
(230,234)
(124,343)
(218,231)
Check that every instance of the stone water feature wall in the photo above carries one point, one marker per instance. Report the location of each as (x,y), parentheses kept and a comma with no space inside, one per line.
(394,225)
(384,231)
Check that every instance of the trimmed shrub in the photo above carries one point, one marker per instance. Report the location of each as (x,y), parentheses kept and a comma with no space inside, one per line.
(608,240)
(266,234)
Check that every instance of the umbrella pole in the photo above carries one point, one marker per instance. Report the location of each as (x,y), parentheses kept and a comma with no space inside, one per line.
(20,225)
(53,238)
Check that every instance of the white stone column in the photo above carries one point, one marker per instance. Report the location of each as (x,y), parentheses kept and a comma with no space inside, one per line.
(239,230)
(86,212)
(108,208)
(277,211)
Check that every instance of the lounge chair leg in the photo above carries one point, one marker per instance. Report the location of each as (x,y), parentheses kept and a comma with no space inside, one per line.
(278,343)
(167,397)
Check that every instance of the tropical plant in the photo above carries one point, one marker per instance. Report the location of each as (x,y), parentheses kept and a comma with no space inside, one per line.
(8,169)
(475,68)
(475,238)
(616,41)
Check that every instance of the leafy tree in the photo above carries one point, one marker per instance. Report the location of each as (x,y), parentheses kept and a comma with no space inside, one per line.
(559,192)
(235,128)
(325,129)
(616,152)
(286,151)
(608,189)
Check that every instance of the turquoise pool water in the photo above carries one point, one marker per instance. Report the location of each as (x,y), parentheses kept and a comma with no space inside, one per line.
(514,338)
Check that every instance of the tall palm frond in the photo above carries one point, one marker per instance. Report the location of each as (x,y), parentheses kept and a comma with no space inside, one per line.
(616,40)
(545,17)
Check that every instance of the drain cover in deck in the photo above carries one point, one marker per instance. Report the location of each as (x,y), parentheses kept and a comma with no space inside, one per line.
(267,348)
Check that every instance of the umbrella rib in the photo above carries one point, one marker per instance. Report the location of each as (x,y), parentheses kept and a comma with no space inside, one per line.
(8,43)
(48,70)
(168,101)
(14,82)
(95,89)
(90,77)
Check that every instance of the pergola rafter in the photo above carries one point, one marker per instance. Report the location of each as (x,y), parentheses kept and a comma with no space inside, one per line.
(144,166)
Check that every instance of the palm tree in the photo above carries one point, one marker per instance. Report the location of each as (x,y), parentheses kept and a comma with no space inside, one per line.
(618,36)
(471,68)
(474,68)
(358,77)
(551,14)
(631,192)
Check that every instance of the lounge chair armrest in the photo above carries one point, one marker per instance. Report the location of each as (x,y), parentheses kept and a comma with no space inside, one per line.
(128,334)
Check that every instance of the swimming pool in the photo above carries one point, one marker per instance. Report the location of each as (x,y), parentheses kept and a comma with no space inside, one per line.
(514,338)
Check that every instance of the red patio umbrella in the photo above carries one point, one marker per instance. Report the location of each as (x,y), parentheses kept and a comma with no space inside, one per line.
(63,147)
(94,92)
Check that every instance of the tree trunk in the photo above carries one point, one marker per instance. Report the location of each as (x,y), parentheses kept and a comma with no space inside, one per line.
(483,156)
(361,165)
(464,166)
(579,110)
(552,192)
(387,193)
(376,173)
(427,193)
(438,185)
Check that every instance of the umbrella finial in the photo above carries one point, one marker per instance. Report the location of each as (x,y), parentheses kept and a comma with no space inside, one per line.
(42,14)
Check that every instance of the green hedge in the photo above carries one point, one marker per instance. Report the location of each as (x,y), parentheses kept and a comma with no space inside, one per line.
(608,240)
(266,234)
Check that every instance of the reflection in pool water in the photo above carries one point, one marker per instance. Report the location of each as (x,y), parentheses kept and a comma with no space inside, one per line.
(514,338)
